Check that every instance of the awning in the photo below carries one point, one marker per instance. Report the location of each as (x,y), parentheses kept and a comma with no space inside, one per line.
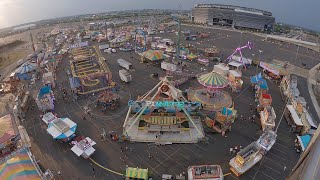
(304,141)
(235,64)
(137,173)
(61,130)
(294,115)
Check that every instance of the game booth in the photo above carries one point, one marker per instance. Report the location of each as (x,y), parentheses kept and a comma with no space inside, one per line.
(273,71)
(62,129)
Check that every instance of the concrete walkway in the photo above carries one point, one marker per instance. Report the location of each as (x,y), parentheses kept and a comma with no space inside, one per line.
(312,81)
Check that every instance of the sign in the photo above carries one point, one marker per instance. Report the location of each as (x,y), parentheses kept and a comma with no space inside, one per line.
(164,104)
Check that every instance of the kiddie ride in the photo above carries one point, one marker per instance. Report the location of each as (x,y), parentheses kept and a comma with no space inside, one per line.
(221,122)
(107,99)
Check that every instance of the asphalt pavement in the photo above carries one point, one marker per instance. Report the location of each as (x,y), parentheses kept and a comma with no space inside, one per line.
(168,159)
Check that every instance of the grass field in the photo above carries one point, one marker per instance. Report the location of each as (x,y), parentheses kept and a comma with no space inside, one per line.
(13,56)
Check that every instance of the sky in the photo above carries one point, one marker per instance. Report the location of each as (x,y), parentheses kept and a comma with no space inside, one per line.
(13,12)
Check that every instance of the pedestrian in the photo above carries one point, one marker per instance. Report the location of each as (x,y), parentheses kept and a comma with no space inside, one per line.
(284,168)
(150,156)
(231,150)
(84,118)
(121,149)
(59,173)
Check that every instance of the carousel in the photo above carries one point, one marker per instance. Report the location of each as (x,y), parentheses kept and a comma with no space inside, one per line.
(211,97)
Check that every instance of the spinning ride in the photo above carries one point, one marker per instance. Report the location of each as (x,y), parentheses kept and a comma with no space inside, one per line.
(249,45)
(108,99)
(164,117)
(211,97)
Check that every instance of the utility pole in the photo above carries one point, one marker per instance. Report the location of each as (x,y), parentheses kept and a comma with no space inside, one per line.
(32,43)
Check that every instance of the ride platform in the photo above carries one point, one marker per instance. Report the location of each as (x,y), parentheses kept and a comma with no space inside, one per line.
(211,103)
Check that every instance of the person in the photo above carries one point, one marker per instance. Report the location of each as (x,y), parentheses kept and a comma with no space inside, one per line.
(59,173)
(150,156)
(121,149)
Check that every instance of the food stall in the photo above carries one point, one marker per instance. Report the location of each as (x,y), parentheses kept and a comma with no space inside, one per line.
(246,159)
(267,118)
(83,147)
(221,68)
(273,71)
(62,129)
(136,174)
(293,119)
(235,80)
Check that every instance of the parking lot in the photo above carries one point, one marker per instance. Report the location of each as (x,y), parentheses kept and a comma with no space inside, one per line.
(169,159)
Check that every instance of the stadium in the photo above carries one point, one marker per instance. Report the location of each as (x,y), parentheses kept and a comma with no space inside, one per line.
(235,16)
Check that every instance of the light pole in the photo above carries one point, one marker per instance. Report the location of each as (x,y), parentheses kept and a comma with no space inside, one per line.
(260,51)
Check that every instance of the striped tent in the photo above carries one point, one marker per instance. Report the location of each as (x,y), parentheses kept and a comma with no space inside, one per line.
(137,173)
(154,55)
(19,166)
(213,80)
(26,67)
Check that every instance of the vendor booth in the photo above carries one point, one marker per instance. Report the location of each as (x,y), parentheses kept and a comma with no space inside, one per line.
(293,119)
(273,71)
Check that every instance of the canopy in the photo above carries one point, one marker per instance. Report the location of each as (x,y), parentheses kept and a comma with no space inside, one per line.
(62,128)
(263,84)
(154,55)
(294,115)
(304,141)
(44,90)
(137,173)
(8,129)
(19,166)
(255,79)
(192,56)
(213,80)
(26,67)
(275,69)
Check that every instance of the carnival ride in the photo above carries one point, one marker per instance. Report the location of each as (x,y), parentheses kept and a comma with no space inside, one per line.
(221,121)
(165,112)
(211,97)
(107,99)
(208,172)
(249,45)
(89,66)
(142,33)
